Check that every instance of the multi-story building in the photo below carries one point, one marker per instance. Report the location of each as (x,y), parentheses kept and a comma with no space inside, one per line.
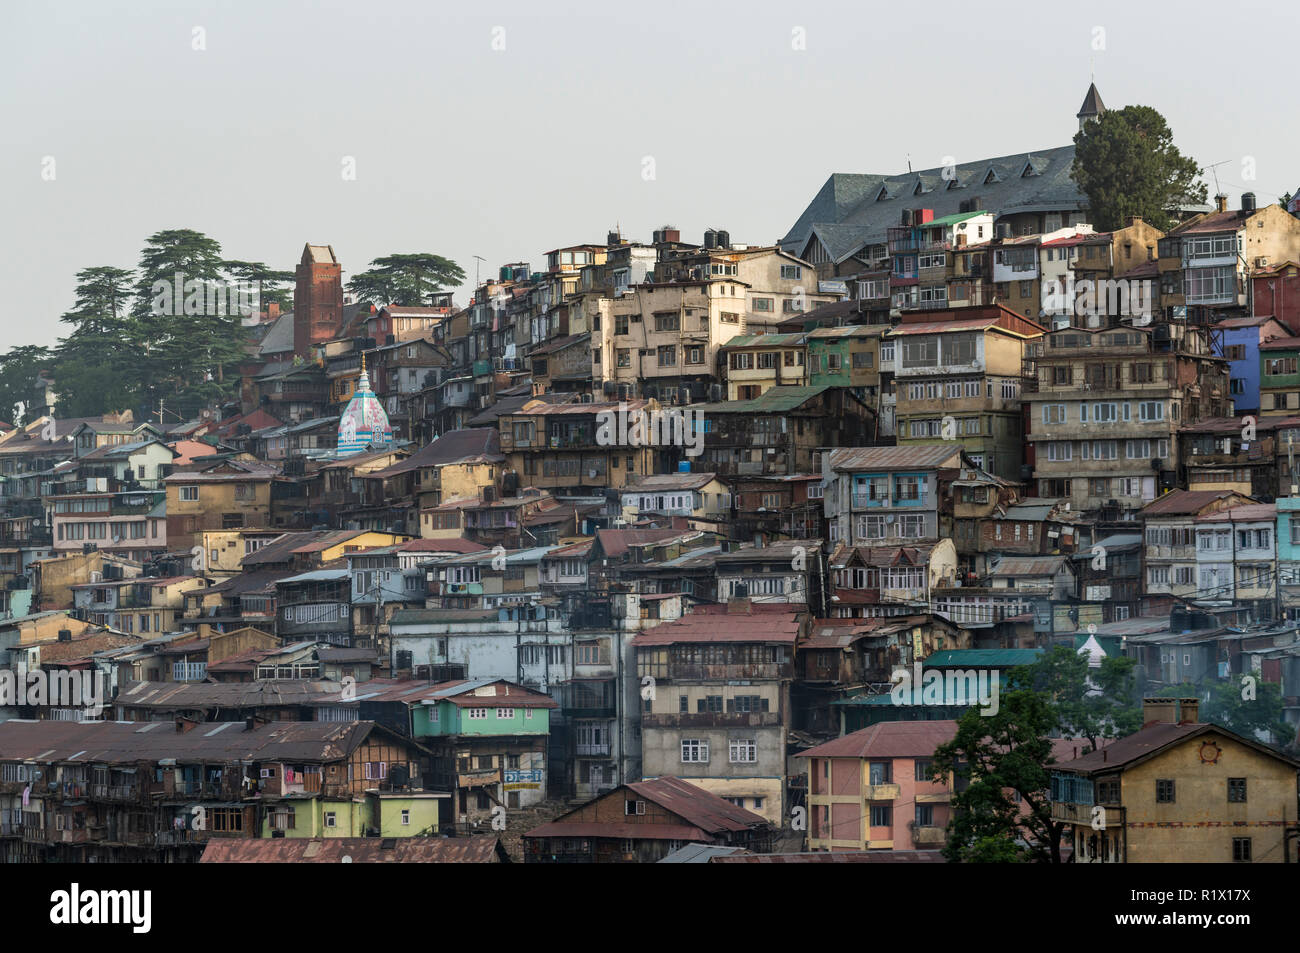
(959,379)
(873,790)
(717,703)
(1169,527)
(1104,420)
(1236,558)
(228,494)
(1206,264)
(1243,338)
(195,784)
(752,363)
(1279,375)
(1178,790)
(878,496)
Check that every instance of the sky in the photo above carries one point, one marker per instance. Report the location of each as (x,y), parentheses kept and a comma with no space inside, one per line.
(504,130)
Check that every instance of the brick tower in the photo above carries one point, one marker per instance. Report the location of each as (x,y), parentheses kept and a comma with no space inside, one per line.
(317,298)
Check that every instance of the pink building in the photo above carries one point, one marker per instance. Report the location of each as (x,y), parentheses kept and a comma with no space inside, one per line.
(871,790)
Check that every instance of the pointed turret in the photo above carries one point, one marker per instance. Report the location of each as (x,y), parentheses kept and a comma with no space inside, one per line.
(1092,108)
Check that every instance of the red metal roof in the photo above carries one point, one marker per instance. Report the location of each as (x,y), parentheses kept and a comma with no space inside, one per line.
(888,739)
(756,622)
(1184,502)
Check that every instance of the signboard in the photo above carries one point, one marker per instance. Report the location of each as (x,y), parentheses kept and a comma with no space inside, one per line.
(1098,593)
(519,780)
(832,288)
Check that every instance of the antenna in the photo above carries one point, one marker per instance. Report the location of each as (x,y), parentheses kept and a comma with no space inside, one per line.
(1214,170)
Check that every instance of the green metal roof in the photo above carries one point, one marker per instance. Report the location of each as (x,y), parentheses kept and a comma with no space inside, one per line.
(954,219)
(982,658)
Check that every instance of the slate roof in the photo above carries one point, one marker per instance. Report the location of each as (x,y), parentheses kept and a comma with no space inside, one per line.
(848,211)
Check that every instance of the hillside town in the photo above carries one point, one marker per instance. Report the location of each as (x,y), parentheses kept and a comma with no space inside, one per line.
(675,548)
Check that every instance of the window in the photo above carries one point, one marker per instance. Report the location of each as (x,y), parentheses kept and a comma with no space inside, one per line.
(695,751)
(634,808)
(1053,413)
(190,494)
(505,714)
(1164,791)
(925,815)
(624,357)
(1273,367)
(1241,850)
(1236,790)
(668,322)
(667,355)
(921,769)
(742,751)
(762,304)
(882,815)
(1151,410)
(791,272)
(476,714)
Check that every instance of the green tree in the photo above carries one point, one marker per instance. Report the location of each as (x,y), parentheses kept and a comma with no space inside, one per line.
(96,365)
(270,283)
(1127,165)
(1250,708)
(405,279)
(1090,703)
(991,759)
(188,347)
(18,369)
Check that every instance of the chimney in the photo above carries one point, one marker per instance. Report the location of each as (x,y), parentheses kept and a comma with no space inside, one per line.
(1221,202)
(1248,201)
(1170,711)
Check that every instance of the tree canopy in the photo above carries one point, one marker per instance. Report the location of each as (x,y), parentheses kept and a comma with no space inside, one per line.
(1127,164)
(405,279)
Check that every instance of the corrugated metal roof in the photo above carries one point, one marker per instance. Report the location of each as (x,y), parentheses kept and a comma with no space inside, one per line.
(357,850)
(888,739)
(895,458)
(1028,566)
(982,658)
(1184,502)
(117,742)
(758,622)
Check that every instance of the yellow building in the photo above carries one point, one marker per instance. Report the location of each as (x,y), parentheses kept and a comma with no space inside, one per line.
(1178,790)
(224,495)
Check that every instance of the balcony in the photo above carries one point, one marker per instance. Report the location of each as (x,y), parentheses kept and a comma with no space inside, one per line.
(714,673)
(929,836)
(591,750)
(888,791)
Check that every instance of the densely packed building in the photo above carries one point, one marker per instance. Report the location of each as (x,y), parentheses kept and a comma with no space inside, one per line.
(643,534)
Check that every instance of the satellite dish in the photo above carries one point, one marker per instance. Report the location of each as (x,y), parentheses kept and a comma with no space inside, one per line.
(345,859)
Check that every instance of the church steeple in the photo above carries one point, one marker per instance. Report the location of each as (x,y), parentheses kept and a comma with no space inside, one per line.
(1092,108)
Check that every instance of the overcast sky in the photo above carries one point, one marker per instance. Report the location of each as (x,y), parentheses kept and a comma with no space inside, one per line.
(462,149)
